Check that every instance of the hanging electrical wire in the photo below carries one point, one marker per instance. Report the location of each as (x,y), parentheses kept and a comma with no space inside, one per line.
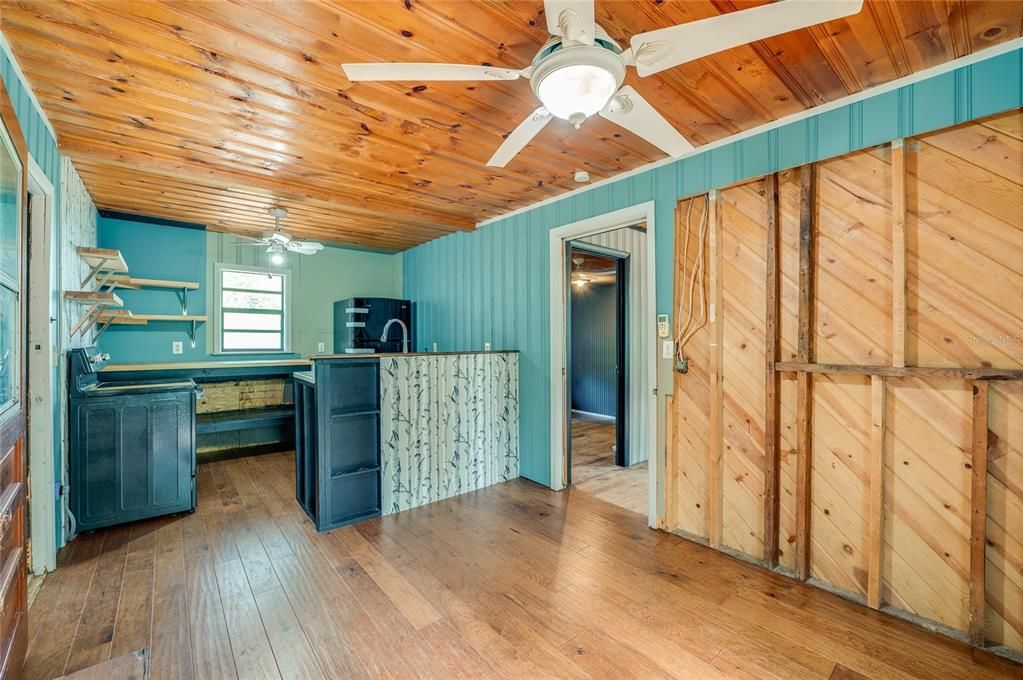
(693,286)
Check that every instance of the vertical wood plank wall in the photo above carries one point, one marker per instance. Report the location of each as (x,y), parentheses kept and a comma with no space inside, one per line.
(916,258)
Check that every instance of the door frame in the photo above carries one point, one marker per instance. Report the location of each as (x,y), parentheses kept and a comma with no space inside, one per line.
(560,406)
(622,425)
(41,346)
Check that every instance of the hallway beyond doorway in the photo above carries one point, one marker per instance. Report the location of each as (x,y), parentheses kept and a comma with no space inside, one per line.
(593,466)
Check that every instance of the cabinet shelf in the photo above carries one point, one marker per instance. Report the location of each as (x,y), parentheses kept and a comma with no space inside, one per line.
(126,281)
(102,262)
(108,298)
(134,283)
(193,320)
(110,270)
(172,317)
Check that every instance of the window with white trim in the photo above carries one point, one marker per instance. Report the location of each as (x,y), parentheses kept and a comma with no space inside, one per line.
(252,307)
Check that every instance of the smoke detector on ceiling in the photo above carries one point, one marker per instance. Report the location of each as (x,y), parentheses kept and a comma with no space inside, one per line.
(582,176)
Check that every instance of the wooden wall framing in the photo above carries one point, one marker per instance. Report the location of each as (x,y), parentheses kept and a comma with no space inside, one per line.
(853,412)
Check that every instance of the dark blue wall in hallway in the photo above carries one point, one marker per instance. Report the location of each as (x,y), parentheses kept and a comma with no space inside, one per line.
(594,341)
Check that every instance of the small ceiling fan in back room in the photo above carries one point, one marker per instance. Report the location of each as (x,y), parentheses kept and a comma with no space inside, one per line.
(580,70)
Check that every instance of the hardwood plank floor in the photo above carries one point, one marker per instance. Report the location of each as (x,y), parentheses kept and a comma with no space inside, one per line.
(513,581)
(593,466)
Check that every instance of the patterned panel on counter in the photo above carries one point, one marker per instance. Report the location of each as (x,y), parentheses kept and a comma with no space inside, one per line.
(450,425)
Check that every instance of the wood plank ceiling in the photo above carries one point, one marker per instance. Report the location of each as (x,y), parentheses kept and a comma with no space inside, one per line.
(213,111)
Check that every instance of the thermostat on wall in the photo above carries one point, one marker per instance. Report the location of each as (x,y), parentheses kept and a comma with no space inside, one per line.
(662,325)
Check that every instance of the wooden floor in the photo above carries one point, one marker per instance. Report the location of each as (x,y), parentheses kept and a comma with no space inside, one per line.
(594,471)
(510,581)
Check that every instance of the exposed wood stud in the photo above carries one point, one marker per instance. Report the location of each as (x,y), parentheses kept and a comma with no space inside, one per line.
(807,210)
(670,460)
(978,511)
(772,333)
(804,380)
(715,486)
(898,253)
(804,471)
(958,373)
(875,517)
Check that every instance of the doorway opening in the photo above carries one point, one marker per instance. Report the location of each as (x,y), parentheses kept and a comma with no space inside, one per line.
(606,458)
(643,435)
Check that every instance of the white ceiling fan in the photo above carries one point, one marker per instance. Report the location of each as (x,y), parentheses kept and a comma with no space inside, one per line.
(580,70)
(277,242)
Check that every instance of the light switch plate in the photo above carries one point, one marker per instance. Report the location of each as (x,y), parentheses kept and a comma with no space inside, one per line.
(177,347)
(486,346)
(667,349)
(321,347)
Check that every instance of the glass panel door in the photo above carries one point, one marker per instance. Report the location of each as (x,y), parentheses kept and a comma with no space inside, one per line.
(10,271)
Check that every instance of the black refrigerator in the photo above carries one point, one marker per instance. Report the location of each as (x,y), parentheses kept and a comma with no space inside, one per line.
(359,323)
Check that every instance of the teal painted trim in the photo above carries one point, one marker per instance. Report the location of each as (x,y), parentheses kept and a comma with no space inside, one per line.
(509,257)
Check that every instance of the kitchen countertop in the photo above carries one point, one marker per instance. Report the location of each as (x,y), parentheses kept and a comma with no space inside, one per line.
(194,365)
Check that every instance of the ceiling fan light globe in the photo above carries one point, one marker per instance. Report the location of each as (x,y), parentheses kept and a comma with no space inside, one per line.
(576,91)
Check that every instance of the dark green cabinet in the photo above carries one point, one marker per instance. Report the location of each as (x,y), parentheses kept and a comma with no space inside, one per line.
(132,458)
(337,441)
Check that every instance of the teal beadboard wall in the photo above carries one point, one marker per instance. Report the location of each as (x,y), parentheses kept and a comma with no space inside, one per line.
(491,285)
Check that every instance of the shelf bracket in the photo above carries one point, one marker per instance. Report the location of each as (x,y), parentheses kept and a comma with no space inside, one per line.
(184,304)
(103,279)
(192,334)
(96,269)
(102,329)
(86,316)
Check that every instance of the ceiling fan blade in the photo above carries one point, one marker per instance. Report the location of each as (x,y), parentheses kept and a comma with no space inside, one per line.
(304,246)
(519,137)
(302,250)
(248,243)
(571,19)
(636,115)
(419,72)
(667,47)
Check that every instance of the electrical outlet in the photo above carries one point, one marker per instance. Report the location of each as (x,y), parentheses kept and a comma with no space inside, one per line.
(321,347)
(177,347)
(486,346)
(667,349)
